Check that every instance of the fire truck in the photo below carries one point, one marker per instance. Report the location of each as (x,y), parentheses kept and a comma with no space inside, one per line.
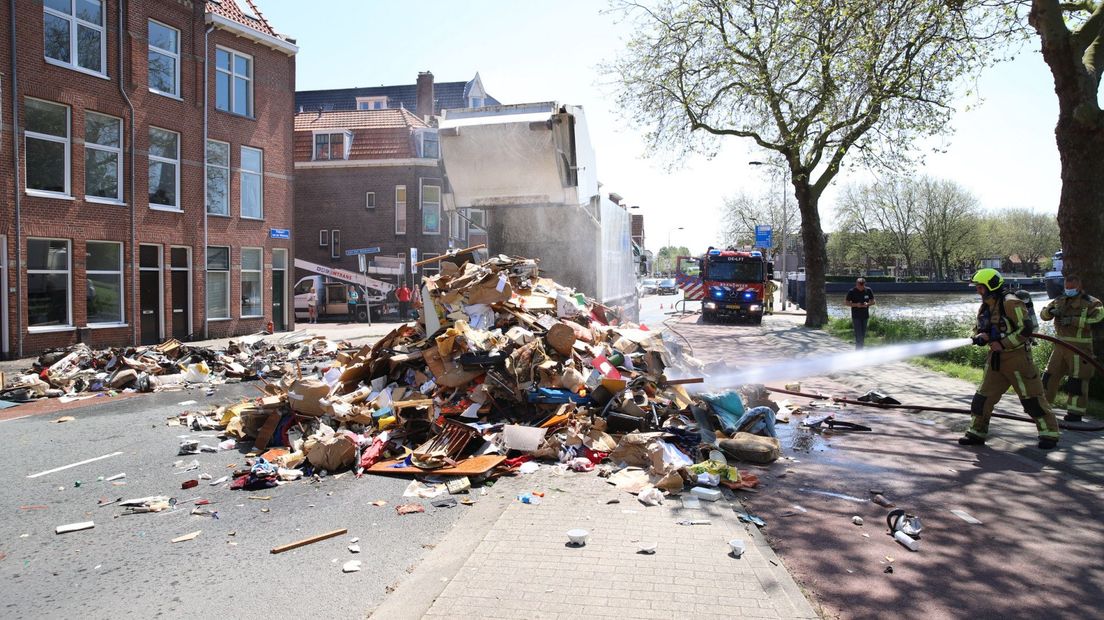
(729,283)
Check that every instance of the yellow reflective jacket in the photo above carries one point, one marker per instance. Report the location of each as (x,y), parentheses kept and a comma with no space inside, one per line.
(1007,319)
(1074,317)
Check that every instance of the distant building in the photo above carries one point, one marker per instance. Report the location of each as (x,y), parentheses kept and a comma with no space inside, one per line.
(148,195)
(368,171)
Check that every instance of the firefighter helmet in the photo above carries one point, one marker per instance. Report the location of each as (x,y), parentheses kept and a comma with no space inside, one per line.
(991,279)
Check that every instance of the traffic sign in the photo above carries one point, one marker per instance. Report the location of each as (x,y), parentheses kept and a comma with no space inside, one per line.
(359,251)
(763,234)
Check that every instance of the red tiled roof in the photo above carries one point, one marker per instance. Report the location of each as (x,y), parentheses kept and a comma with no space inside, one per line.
(230,10)
(377,134)
(357,119)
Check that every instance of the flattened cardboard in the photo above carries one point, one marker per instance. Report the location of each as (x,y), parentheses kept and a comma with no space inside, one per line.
(473,466)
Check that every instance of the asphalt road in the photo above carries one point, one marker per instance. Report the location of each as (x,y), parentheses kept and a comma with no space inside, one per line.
(654,308)
(127,566)
(1035,554)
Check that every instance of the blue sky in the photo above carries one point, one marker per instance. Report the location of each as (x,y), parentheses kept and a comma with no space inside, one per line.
(539,50)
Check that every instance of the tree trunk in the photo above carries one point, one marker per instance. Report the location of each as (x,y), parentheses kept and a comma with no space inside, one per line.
(816,254)
(1081,206)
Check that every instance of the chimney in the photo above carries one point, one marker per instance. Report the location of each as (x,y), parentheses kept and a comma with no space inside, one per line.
(424,105)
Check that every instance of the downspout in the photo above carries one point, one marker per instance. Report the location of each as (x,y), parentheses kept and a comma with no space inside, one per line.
(16,187)
(134,309)
(206,106)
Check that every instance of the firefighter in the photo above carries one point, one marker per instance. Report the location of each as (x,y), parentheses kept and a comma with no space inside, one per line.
(1074,313)
(769,289)
(1000,326)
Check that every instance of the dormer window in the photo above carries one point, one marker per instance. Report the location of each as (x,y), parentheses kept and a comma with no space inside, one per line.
(371,103)
(475,102)
(332,144)
(429,145)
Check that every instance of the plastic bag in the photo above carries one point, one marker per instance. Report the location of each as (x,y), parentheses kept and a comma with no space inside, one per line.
(650,496)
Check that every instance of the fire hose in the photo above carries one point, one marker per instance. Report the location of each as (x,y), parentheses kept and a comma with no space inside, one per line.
(1079,426)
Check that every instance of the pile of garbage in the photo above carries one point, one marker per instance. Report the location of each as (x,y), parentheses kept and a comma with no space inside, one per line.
(78,369)
(503,367)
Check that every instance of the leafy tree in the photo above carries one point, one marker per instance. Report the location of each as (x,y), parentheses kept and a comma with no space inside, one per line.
(1072,37)
(890,206)
(666,259)
(810,81)
(948,229)
(741,213)
(1028,235)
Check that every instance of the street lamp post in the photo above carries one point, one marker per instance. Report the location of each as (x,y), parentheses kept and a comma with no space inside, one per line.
(785,221)
(669,231)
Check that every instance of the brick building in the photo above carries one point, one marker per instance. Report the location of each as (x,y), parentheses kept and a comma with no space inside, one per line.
(368,179)
(149,172)
(359,152)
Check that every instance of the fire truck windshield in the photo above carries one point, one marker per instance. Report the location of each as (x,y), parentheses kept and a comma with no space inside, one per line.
(735,272)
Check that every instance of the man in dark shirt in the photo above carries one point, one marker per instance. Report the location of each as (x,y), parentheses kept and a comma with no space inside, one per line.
(859,299)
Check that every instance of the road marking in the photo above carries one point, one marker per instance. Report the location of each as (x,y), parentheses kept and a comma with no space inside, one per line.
(19,418)
(50,471)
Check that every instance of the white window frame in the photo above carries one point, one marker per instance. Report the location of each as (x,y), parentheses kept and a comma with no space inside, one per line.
(346,138)
(323,238)
(68,271)
(371,102)
(233,76)
(207,180)
(117,151)
(174,55)
(164,160)
(67,141)
(207,280)
(335,243)
(260,287)
(242,171)
(74,29)
(423,205)
(122,286)
(400,209)
(431,269)
(370,201)
(422,133)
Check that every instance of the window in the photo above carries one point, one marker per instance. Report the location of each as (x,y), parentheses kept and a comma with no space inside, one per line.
(430,145)
(332,145)
(103,157)
(218,283)
(164,168)
(335,244)
(73,33)
(323,238)
(233,82)
(372,103)
(431,269)
(251,292)
(48,283)
(477,102)
(47,145)
(400,209)
(431,209)
(218,177)
(477,218)
(369,200)
(252,185)
(164,59)
(103,266)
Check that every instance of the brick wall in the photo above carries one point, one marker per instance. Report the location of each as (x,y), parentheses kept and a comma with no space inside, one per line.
(80,220)
(334,198)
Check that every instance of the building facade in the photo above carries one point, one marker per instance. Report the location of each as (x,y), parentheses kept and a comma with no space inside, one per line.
(147,155)
(368,174)
(370,180)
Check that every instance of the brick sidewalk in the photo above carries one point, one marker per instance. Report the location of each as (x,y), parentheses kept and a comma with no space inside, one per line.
(522,566)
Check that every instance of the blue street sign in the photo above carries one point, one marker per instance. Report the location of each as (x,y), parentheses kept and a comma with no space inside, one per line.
(359,251)
(763,233)
(280,233)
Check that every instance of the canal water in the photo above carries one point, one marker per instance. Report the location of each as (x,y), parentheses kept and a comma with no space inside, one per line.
(923,305)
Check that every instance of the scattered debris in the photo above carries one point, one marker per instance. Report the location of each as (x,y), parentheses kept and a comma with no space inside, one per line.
(351,566)
(74,527)
(406,509)
(965,516)
(187,537)
(308,541)
(857,520)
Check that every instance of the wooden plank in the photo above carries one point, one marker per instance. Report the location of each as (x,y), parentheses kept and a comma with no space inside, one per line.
(308,541)
(450,255)
(473,466)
